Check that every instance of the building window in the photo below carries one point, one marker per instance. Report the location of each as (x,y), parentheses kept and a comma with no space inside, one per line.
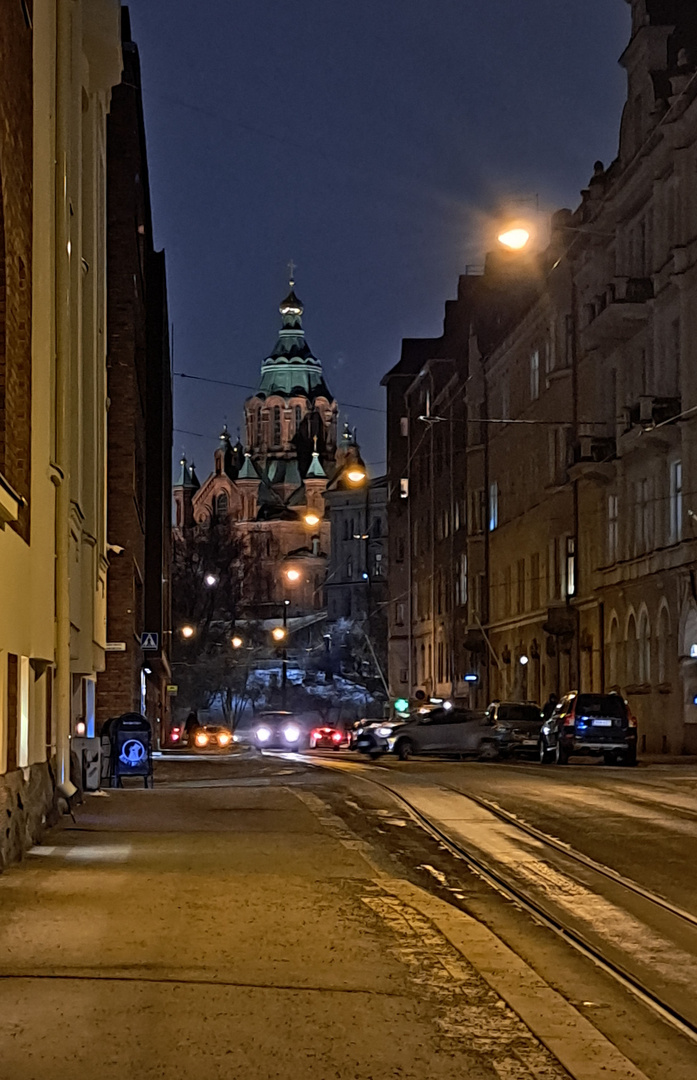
(493,506)
(462,580)
(346,529)
(520,582)
(404,488)
(23,713)
(400,549)
(535,375)
(613,528)
(506,591)
(675,501)
(258,427)
(349,568)
(535,581)
(377,528)
(377,568)
(221,507)
(642,517)
(663,641)
(570,566)
(644,650)
(399,613)
(277,425)
(456,516)
(298,417)
(404,426)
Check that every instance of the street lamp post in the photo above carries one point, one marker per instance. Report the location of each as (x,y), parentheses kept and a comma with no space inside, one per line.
(284,661)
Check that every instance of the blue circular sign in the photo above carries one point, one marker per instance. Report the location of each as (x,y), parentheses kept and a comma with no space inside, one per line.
(133,752)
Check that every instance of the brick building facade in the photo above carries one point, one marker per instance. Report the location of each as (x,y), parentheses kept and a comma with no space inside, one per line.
(139,427)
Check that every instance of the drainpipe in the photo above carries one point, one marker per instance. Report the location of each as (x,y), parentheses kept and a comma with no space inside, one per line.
(62,399)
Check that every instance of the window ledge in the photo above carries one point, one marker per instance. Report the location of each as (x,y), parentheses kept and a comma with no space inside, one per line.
(10,503)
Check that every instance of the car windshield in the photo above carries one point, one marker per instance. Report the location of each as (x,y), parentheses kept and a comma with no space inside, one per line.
(516,712)
(608,705)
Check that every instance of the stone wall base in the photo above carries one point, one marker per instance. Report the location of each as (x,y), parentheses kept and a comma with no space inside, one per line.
(28,807)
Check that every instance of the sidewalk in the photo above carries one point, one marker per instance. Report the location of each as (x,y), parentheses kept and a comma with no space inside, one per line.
(236,930)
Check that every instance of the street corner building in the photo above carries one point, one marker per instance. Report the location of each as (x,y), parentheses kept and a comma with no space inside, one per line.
(542,453)
(58,64)
(269,493)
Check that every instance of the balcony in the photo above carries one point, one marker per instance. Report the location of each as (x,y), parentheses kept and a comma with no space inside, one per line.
(593,456)
(618,313)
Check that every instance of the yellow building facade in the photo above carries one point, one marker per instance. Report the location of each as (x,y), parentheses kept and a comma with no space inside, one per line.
(59,60)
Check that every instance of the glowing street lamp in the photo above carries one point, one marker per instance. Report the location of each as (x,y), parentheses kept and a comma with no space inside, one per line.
(187,631)
(356,474)
(237,642)
(211,580)
(312,519)
(514,239)
(292,574)
(279,633)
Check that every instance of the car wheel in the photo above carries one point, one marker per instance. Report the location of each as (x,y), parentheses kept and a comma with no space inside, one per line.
(374,754)
(546,755)
(338,747)
(628,758)
(488,750)
(405,749)
(561,754)
(610,758)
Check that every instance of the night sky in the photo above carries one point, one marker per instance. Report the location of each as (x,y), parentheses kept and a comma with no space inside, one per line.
(368,141)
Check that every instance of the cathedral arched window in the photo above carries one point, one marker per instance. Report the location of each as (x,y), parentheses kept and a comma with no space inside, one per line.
(298,417)
(257,439)
(221,507)
(277,426)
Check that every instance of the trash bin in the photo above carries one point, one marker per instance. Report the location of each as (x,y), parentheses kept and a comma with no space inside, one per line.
(130,738)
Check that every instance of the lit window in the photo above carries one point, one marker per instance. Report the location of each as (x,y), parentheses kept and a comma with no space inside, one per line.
(404,488)
(570,566)
(404,426)
(493,506)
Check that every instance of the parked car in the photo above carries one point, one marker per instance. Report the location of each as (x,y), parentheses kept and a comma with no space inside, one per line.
(599,725)
(212,737)
(516,727)
(441,731)
(278,731)
(327,738)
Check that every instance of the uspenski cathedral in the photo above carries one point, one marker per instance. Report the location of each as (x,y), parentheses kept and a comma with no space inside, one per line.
(271,490)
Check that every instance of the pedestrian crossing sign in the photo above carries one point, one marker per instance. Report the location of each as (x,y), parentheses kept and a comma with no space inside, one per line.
(149,640)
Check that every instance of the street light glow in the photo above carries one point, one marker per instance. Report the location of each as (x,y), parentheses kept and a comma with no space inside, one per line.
(187,631)
(211,579)
(293,575)
(524,660)
(278,633)
(312,519)
(514,239)
(237,642)
(356,474)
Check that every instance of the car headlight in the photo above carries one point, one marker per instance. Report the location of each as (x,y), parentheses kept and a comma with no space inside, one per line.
(291,733)
(263,734)
(201,739)
(223,740)
(383,732)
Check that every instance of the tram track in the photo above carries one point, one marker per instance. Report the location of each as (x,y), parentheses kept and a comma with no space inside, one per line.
(498,875)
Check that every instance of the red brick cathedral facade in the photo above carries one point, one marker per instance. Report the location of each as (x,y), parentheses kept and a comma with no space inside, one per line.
(271,491)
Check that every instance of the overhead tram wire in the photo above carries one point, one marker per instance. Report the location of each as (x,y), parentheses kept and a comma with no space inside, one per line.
(248,386)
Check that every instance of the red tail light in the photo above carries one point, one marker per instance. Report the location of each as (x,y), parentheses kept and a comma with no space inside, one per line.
(336,736)
(175,736)
(569,720)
